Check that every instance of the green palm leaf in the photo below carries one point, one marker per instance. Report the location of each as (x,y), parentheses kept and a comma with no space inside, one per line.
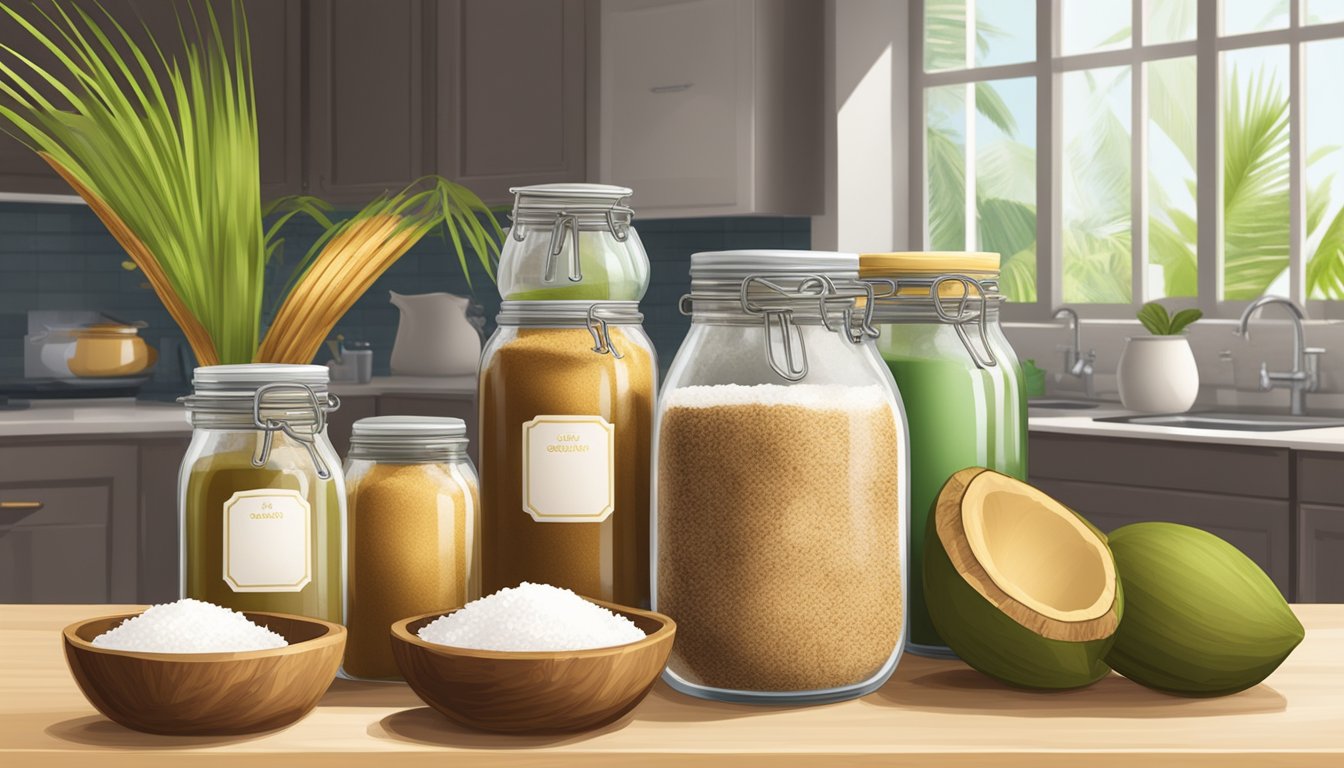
(1255,185)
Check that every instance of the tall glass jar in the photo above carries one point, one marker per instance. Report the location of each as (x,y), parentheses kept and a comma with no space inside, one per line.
(960,379)
(260,494)
(572,242)
(780,473)
(566,407)
(413,539)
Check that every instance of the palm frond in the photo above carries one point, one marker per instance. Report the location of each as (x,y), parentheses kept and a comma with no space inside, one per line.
(1255,185)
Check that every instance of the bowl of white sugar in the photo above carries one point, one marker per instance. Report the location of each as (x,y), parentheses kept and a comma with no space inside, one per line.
(196,668)
(533,659)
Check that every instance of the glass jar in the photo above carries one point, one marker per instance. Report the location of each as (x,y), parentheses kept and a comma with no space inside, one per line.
(780,472)
(960,379)
(566,406)
(261,500)
(572,242)
(413,534)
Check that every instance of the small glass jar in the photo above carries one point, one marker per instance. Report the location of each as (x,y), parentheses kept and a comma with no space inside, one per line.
(413,534)
(566,409)
(961,382)
(780,473)
(260,495)
(572,242)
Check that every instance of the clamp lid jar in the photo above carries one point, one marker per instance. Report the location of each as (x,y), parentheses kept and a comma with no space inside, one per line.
(261,498)
(572,242)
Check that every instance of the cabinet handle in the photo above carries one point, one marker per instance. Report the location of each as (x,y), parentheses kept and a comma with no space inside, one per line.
(21,508)
(674,88)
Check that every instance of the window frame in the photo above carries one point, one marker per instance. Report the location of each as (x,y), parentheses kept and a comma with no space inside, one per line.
(1048,69)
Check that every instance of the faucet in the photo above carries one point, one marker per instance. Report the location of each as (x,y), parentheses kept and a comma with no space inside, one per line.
(1075,364)
(1305,376)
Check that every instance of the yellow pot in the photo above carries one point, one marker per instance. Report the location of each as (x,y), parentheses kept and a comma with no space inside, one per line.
(110,349)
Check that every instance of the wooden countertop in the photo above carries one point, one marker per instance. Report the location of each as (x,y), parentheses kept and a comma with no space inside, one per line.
(932,713)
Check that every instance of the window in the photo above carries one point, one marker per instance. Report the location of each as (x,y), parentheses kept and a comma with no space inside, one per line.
(1189,150)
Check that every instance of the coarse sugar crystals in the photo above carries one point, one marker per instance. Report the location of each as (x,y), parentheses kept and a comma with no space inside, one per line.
(189,626)
(531,617)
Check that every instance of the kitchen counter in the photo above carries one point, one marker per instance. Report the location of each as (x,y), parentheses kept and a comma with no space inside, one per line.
(1075,422)
(56,418)
(937,713)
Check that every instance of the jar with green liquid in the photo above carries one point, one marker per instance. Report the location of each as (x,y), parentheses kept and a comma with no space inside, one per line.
(261,496)
(961,382)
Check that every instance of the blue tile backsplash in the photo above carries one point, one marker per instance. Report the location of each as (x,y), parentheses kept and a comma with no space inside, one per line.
(61,257)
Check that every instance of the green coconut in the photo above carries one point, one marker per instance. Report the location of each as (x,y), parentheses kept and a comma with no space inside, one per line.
(1201,618)
(1018,585)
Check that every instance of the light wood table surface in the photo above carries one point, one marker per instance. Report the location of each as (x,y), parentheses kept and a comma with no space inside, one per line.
(932,713)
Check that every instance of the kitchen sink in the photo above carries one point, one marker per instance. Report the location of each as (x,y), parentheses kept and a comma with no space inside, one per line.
(1227,420)
(1062,405)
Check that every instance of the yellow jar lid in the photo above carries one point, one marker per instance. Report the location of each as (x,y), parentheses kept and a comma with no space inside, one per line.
(904,262)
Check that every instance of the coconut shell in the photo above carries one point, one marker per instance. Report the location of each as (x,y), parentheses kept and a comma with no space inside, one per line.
(988,638)
(1201,618)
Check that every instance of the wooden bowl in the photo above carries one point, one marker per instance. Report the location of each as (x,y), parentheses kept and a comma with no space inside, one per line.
(208,693)
(534,692)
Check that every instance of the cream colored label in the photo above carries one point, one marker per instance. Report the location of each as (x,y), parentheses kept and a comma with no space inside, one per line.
(569,469)
(268,541)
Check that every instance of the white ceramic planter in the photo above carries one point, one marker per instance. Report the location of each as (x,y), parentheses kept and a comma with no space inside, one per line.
(1157,374)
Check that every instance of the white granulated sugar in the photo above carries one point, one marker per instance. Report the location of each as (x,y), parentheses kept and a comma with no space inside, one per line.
(531,617)
(825,397)
(189,626)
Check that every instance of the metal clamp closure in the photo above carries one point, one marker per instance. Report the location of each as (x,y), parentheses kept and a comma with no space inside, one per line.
(601,331)
(776,309)
(270,426)
(959,311)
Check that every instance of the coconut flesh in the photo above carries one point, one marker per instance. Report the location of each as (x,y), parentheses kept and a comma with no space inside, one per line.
(1024,545)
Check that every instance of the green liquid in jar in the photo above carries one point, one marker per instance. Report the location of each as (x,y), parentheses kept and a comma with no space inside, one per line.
(958,417)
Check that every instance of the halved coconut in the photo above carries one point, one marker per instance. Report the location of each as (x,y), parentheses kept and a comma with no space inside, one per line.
(1018,585)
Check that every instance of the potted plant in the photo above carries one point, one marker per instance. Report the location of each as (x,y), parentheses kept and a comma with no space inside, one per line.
(1157,373)
(163,147)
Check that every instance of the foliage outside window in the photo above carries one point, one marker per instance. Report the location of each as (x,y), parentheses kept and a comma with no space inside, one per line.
(1118,99)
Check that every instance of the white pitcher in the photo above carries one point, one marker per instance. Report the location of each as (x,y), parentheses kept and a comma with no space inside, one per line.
(434,336)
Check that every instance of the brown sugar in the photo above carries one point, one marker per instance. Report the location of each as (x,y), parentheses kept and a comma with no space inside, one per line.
(554,372)
(414,548)
(778,538)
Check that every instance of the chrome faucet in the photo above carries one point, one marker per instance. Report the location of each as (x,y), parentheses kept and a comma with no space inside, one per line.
(1075,363)
(1305,376)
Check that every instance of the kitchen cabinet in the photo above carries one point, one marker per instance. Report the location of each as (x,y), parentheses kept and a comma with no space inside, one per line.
(368,61)
(107,530)
(510,95)
(1240,493)
(341,421)
(275,30)
(1320,530)
(713,107)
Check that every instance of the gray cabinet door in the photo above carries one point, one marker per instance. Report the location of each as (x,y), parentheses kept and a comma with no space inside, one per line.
(82,546)
(276,31)
(342,420)
(367,60)
(510,96)
(1320,554)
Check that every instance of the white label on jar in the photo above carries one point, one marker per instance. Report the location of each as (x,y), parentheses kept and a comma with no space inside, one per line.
(268,541)
(569,469)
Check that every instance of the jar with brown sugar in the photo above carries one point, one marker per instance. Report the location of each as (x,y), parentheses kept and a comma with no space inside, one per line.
(413,532)
(566,408)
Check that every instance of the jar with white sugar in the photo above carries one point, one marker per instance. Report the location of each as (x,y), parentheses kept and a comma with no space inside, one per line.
(780,502)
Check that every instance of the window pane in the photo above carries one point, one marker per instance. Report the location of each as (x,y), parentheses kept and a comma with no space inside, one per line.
(1254,105)
(945,166)
(1323,116)
(1172,231)
(1242,16)
(944,35)
(1323,11)
(1098,266)
(1170,21)
(1005,181)
(1088,25)
(1006,32)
